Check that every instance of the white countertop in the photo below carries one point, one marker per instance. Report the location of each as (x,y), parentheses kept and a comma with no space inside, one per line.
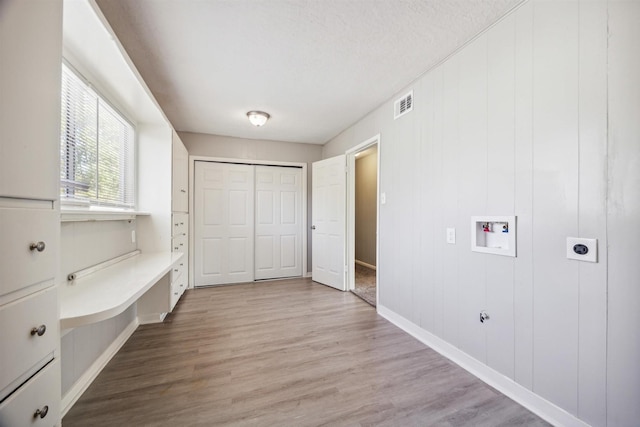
(108,292)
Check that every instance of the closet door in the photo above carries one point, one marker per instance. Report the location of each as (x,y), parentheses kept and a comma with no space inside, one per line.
(223,218)
(278,222)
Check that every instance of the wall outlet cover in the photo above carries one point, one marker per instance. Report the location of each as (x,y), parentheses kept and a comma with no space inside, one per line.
(582,249)
(451,236)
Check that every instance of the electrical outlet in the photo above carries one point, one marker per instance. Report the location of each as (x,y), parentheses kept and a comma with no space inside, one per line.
(451,236)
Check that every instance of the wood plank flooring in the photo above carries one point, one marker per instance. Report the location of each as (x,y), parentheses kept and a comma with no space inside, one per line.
(285,353)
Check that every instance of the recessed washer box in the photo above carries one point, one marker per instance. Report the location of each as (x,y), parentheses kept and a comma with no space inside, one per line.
(494,235)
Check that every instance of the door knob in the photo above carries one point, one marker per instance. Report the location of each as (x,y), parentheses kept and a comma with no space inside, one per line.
(37,246)
(313,227)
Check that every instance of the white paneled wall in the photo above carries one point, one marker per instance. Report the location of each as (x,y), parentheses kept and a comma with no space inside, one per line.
(623,215)
(538,118)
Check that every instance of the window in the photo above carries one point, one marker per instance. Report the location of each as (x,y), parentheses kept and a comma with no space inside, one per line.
(97,165)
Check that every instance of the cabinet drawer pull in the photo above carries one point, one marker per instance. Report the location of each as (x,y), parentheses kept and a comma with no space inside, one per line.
(37,246)
(175,269)
(183,190)
(40,330)
(41,412)
(176,224)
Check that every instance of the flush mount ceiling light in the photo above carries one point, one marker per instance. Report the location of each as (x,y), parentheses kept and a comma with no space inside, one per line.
(258,118)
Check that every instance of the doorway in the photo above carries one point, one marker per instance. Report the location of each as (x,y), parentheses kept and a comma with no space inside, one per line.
(362,219)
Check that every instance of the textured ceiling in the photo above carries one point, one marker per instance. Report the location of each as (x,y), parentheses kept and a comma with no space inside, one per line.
(317,66)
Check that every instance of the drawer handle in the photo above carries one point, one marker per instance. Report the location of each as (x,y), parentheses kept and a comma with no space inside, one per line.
(176,224)
(40,330)
(37,246)
(176,248)
(41,412)
(183,190)
(175,269)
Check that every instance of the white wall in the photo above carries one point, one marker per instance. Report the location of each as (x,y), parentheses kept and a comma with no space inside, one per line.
(199,144)
(538,117)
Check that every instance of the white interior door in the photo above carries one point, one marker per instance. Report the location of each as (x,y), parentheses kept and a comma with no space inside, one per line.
(329,220)
(278,251)
(224,224)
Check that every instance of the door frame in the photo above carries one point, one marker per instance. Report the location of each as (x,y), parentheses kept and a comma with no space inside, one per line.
(351,211)
(305,208)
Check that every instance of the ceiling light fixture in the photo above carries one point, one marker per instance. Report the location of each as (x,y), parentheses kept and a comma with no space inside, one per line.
(258,118)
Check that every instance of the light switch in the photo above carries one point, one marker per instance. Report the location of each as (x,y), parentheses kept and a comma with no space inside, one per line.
(451,236)
(383,198)
(582,249)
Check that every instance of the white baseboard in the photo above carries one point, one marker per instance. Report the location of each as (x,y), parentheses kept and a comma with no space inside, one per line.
(81,385)
(364,264)
(525,397)
(307,274)
(146,319)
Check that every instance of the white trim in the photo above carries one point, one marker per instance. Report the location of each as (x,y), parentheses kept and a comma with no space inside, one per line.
(364,264)
(81,385)
(192,164)
(525,397)
(350,213)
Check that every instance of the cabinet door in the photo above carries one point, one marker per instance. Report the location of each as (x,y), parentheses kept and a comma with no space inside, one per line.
(30,67)
(180,175)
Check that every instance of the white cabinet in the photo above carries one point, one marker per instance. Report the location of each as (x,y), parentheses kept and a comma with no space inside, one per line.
(179,243)
(30,67)
(180,217)
(180,176)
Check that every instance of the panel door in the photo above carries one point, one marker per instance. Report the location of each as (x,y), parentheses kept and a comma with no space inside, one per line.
(278,222)
(329,219)
(224,225)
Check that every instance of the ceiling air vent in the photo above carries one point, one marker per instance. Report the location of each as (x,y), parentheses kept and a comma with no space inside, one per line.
(403,105)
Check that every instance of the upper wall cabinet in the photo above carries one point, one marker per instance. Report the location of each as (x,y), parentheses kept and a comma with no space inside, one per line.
(180,176)
(30,46)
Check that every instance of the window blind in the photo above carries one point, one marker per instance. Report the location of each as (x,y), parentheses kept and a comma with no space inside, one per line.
(97,151)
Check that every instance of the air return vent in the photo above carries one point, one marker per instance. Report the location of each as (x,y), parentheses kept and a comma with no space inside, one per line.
(403,105)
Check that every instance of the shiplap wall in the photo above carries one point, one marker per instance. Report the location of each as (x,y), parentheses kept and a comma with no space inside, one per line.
(537,117)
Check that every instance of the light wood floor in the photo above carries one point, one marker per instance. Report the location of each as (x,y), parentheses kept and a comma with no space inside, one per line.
(285,353)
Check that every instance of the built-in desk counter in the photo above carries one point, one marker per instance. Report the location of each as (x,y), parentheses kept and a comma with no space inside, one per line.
(109,291)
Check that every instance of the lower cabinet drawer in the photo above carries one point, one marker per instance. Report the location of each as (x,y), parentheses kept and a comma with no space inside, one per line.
(36,403)
(28,250)
(28,333)
(179,244)
(178,270)
(180,223)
